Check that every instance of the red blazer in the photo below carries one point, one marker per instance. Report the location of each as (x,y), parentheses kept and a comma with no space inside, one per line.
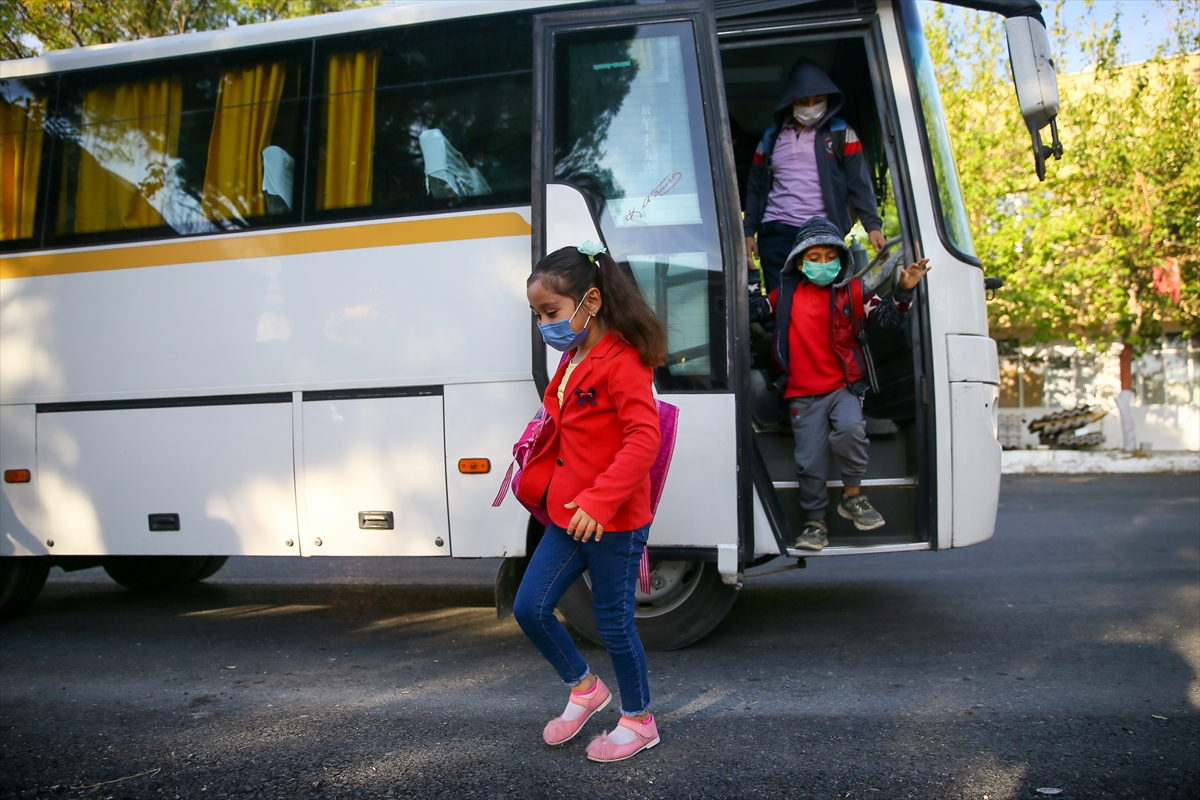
(602,442)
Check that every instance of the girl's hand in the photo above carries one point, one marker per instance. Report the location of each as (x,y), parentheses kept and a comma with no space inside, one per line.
(911,275)
(583,525)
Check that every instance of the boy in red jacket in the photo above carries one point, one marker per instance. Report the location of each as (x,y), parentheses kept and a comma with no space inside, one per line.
(820,313)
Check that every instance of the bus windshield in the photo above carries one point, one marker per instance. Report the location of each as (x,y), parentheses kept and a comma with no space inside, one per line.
(955,225)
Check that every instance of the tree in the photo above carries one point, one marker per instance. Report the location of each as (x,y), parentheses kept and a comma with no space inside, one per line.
(1079,252)
(33,26)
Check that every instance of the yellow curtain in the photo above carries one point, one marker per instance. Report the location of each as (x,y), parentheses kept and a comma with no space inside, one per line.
(344,172)
(130,141)
(20,162)
(247,102)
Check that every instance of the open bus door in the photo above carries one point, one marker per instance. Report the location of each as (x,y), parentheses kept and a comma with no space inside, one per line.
(847,40)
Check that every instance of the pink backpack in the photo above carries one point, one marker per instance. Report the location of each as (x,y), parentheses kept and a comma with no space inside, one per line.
(668,424)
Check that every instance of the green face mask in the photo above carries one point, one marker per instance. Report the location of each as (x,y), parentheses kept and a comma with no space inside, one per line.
(822,274)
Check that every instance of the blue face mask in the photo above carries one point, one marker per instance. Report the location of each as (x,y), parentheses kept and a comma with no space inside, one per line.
(822,274)
(560,335)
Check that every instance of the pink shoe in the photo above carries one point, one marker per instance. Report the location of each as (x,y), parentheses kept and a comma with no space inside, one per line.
(603,748)
(559,731)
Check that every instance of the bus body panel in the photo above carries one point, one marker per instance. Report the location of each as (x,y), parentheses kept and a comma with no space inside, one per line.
(225,470)
(972,358)
(20,509)
(699,503)
(405,314)
(973,371)
(976,454)
(482,421)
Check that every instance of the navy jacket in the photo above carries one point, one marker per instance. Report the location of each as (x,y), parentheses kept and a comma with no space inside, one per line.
(846,336)
(841,165)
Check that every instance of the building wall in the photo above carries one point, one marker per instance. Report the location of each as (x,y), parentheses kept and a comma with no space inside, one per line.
(1039,380)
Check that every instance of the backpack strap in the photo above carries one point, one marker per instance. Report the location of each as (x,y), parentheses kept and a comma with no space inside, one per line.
(837,134)
(858,317)
(508,476)
(857,310)
(767,146)
(528,440)
(644,571)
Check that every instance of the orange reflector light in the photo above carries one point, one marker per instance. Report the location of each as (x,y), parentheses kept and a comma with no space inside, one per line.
(20,476)
(474,466)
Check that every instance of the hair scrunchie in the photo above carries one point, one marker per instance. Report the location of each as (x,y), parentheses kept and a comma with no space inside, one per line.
(592,249)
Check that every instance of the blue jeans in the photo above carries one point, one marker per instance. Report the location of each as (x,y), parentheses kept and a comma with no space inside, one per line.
(613,563)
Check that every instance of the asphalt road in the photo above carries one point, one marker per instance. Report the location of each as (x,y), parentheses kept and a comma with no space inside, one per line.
(1064,654)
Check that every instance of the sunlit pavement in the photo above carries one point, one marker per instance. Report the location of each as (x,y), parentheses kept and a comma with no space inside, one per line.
(1064,654)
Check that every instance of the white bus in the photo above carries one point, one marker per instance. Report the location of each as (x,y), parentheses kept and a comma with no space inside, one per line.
(262,290)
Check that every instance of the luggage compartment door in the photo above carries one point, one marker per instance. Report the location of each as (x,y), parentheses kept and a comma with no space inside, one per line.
(192,480)
(375,474)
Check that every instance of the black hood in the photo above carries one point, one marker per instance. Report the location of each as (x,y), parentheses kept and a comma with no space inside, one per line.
(807,80)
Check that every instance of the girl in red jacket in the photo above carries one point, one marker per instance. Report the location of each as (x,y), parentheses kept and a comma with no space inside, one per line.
(591,469)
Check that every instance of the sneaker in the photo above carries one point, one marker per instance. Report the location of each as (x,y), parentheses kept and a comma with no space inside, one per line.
(858,510)
(813,536)
(560,731)
(605,749)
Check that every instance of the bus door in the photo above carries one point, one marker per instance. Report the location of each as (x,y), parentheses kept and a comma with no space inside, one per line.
(757,54)
(631,148)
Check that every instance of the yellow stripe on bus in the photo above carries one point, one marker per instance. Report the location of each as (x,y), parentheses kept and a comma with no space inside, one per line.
(282,243)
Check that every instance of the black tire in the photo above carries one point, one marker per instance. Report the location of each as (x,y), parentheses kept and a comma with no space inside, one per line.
(155,573)
(211,568)
(21,580)
(699,605)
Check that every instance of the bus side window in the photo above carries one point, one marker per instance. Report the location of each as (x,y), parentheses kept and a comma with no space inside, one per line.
(199,147)
(447,173)
(22,115)
(411,120)
(242,164)
(345,169)
(423,118)
(124,166)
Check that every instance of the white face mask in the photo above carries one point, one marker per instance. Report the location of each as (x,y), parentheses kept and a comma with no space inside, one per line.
(809,115)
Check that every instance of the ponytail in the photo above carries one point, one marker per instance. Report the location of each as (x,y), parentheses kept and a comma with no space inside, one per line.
(570,273)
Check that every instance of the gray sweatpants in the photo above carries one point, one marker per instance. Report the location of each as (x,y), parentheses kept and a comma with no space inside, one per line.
(825,424)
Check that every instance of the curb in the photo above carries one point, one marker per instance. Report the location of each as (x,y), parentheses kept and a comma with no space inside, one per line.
(1096,462)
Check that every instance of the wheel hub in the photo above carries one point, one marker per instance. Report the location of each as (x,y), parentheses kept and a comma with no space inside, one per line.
(671,584)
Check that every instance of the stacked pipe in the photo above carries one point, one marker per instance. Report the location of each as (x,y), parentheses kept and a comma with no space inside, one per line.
(1058,429)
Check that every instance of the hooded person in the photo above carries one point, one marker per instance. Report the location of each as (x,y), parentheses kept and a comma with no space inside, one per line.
(820,314)
(810,163)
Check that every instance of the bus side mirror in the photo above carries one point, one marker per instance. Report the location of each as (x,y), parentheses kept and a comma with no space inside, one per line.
(1037,86)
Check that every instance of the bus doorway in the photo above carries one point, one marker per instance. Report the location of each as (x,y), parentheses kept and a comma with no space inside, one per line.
(755,65)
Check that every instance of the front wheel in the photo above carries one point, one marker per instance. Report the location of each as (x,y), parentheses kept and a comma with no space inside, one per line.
(687,600)
(21,580)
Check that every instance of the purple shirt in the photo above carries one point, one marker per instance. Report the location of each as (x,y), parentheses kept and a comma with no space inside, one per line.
(795,194)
